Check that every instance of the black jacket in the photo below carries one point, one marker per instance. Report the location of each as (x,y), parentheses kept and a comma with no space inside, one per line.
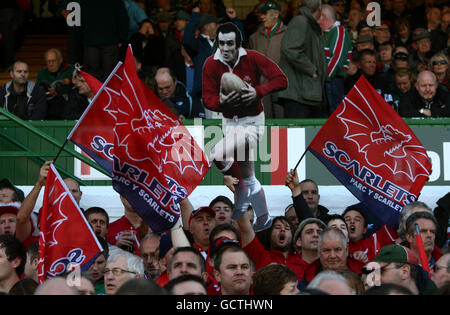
(412,102)
(29,105)
(442,214)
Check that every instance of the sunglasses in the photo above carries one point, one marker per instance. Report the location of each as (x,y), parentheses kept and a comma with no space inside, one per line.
(439,62)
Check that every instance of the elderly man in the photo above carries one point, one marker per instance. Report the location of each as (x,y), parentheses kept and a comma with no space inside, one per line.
(56,70)
(338,49)
(267,40)
(121,267)
(427,99)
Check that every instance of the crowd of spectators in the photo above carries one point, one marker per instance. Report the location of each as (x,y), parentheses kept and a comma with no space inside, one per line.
(411,37)
(307,251)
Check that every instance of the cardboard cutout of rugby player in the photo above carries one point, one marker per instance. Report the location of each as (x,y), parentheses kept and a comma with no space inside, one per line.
(232,85)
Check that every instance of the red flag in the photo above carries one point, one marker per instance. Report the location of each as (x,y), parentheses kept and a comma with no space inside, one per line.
(93,83)
(422,254)
(66,240)
(157,162)
(373,152)
(93,132)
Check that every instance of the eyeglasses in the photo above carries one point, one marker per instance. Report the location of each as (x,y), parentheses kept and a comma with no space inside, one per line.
(436,268)
(117,271)
(439,62)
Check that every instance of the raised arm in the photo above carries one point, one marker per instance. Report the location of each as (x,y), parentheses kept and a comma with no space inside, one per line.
(23,224)
(302,210)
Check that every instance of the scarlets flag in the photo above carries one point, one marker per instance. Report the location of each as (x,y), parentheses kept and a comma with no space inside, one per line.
(154,161)
(157,162)
(373,152)
(93,132)
(66,240)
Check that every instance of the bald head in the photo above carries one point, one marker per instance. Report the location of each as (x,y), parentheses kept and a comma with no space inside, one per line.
(74,189)
(427,85)
(53,59)
(165,82)
(55,286)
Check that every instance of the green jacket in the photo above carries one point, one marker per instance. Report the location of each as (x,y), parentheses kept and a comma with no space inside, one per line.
(64,74)
(302,55)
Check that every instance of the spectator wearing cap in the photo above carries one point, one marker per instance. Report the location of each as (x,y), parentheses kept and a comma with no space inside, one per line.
(13,259)
(364,29)
(305,242)
(427,226)
(9,192)
(175,55)
(289,213)
(399,265)
(201,223)
(204,45)
(338,50)
(267,40)
(427,99)
(420,58)
(364,42)
(275,279)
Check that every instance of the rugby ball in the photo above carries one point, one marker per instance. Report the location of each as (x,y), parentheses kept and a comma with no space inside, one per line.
(231,82)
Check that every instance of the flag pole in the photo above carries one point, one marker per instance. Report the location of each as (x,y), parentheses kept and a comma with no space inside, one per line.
(422,255)
(301,158)
(60,150)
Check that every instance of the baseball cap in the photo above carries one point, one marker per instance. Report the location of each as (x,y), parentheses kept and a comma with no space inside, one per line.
(201,209)
(11,207)
(165,244)
(396,254)
(420,33)
(220,243)
(270,5)
(305,222)
(5,183)
(206,19)
(364,39)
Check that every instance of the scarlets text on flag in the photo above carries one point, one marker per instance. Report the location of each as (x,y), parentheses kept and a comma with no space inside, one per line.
(373,152)
(66,240)
(157,162)
(93,132)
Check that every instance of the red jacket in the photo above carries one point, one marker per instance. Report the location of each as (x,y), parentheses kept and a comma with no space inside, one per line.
(254,68)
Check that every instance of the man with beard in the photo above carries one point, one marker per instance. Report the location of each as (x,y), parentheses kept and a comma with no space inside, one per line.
(149,253)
